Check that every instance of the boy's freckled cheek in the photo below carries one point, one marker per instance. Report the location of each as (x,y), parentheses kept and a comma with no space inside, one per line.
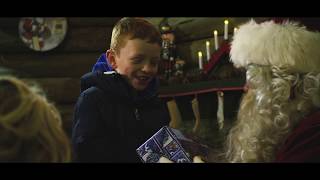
(127,71)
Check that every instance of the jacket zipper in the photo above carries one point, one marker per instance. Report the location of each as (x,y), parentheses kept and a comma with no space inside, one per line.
(137,114)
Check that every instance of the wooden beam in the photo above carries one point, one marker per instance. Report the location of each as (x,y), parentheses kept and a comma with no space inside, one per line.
(92,21)
(194,28)
(12,22)
(49,64)
(59,90)
(87,39)
(9,22)
(84,39)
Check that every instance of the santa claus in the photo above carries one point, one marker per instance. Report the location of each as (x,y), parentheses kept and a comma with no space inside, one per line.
(279,115)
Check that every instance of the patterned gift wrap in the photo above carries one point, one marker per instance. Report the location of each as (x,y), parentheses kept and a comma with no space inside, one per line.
(163,143)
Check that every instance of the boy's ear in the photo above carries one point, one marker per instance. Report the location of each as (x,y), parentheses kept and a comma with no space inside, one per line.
(111,58)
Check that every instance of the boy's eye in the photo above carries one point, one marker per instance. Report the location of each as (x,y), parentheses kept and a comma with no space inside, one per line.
(137,60)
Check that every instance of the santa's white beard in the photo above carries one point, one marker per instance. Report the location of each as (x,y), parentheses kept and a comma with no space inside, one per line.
(252,138)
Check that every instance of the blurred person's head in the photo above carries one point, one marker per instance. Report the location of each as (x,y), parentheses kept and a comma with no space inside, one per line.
(283,79)
(30,127)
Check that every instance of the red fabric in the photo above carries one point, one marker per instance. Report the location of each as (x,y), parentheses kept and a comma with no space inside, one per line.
(312,24)
(303,144)
(215,57)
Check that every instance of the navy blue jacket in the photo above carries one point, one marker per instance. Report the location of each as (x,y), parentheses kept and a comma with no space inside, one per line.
(111,119)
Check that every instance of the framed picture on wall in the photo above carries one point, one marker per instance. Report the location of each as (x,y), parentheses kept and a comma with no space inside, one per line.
(42,34)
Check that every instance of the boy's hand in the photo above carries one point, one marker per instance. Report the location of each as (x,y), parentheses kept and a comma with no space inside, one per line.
(196,159)
(164,160)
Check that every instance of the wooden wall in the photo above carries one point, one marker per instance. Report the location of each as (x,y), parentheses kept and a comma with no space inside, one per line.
(57,71)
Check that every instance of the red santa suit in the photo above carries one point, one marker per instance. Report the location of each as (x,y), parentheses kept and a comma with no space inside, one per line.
(303,144)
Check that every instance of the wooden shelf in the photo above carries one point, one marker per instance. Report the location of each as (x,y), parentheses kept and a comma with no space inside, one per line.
(201,87)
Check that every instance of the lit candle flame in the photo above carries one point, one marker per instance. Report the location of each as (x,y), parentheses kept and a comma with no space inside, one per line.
(226,22)
(200,60)
(208,50)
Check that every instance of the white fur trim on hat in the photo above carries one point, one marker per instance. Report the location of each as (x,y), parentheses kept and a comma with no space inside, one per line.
(285,45)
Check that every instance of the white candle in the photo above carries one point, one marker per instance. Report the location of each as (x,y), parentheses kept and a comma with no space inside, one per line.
(235,30)
(208,50)
(216,44)
(200,60)
(226,22)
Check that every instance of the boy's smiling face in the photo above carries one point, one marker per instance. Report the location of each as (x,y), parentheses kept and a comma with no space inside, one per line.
(138,61)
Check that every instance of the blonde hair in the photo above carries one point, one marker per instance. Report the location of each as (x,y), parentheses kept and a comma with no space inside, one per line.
(131,28)
(275,103)
(30,126)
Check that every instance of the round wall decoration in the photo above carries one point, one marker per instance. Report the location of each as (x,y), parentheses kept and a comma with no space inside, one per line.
(42,34)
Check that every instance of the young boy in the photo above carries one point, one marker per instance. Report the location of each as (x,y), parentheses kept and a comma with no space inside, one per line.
(118,108)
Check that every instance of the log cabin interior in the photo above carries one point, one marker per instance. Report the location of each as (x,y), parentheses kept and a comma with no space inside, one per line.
(190,87)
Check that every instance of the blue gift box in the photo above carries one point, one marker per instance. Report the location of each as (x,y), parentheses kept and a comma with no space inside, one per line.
(166,142)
